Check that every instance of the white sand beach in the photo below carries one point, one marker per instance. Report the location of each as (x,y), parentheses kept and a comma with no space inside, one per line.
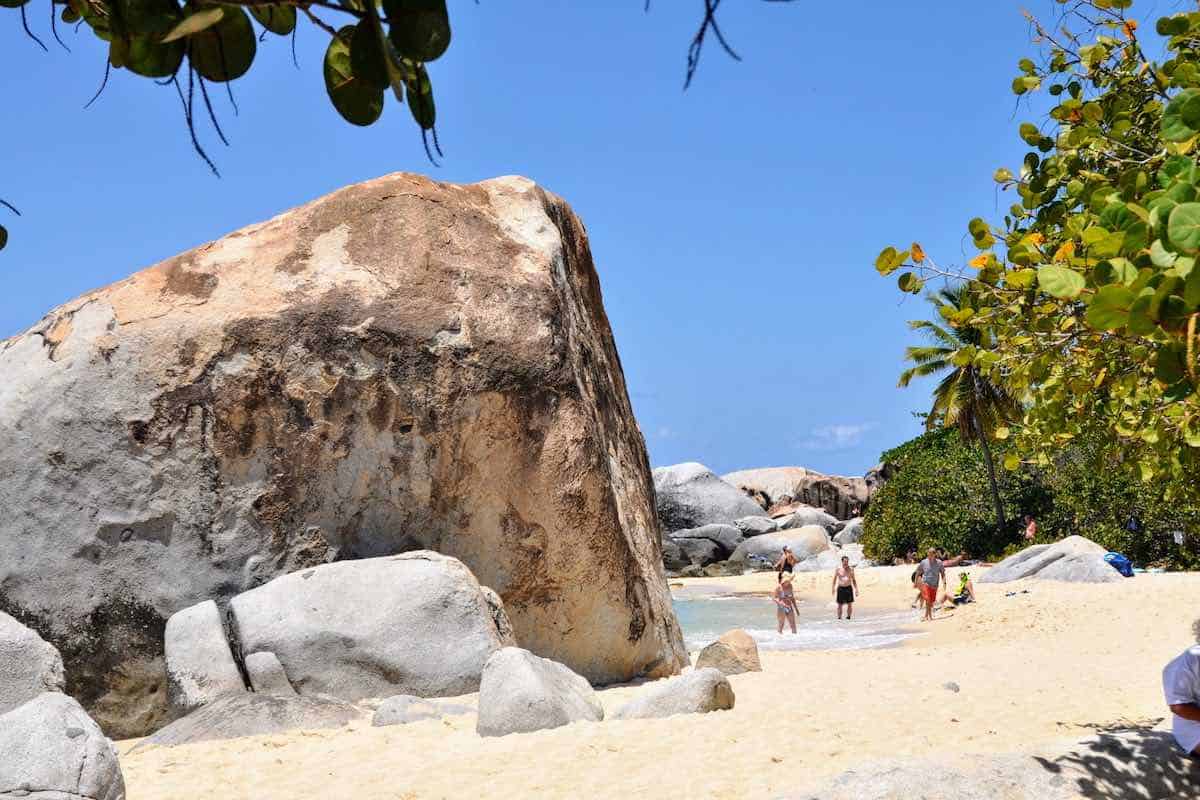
(1058,662)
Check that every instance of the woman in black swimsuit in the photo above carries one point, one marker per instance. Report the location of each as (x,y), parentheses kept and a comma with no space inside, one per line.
(785,563)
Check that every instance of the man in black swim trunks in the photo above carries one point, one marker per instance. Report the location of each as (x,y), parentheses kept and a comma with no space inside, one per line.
(845,587)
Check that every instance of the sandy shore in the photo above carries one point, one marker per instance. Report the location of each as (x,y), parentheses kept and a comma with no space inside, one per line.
(1060,661)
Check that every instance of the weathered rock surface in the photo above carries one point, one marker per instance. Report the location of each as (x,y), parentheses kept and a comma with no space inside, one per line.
(50,749)
(1072,559)
(756,526)
(733,653)
(700,552)
(253,714)
(674,559)
(404,708)
(726,537)
(1140,763)
(851,532)
(805,542)
(807,515)
(521,692)
(695,692)
(200,665)
(403,364)
(267,675)
(416,623)
(836,494)
(689,495)
(29,666)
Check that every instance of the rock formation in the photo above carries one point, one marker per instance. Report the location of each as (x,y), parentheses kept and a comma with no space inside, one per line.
(521,693)
(804,542)
(29,666)
(402,364)
(733,653)
(1074,558)
(697,692)
(416,623)
(838,495)
(253,714)
(50,749)
(689,495)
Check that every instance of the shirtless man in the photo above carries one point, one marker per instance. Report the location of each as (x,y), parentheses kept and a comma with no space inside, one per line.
(845,587)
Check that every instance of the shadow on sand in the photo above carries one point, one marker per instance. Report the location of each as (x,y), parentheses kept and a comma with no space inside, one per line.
(1121,763)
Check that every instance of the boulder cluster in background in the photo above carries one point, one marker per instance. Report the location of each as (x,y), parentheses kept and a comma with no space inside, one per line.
(1075,558)
(725,525)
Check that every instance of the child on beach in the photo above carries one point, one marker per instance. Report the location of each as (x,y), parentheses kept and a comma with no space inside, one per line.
(785,603)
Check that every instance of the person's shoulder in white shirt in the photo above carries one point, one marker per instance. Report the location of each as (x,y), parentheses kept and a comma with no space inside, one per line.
(1181,685)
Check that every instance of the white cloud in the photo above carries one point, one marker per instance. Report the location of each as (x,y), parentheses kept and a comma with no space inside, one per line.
(836,437)
(665,433)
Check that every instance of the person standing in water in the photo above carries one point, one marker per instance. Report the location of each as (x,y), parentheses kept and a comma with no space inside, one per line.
(785,603)
(845,587)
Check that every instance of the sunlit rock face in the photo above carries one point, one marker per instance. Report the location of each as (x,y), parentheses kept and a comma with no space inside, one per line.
(400,365)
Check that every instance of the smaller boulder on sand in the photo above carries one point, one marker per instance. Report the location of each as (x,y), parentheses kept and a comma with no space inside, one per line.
(29,665)
(405,708)
(254,714)
(697,692)
(1074,559)
(520,692)
(733,653)
(50,749)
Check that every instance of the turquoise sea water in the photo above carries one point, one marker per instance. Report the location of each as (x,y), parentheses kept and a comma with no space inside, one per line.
(705,617)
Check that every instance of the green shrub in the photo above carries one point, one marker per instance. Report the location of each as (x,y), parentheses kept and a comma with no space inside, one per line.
(939,497)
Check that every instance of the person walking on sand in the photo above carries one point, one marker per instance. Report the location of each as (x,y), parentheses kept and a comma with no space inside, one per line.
(1181,686)
(785,603)
(786,561)
(845,587)
(932,573)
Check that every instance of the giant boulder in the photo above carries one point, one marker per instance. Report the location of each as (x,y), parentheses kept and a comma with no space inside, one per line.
(417,623)
(50,749)
(1074,559)
(29,666)
(200,665)
(402,364)
(726,537)
(837,494)
(689,495)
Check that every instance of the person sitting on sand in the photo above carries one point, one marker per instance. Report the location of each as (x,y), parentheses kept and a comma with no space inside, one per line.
(845,587)
(785,563)
(785,603)
(1181,686)
(965,593)
(932,573)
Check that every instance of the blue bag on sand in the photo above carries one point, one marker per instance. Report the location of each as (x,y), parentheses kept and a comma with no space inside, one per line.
(1120,563)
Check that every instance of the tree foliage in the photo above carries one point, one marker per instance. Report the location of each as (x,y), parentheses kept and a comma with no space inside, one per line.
(937,498)
(384,48)
(1089,282)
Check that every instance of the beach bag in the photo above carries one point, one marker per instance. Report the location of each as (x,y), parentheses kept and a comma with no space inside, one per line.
(1120,563)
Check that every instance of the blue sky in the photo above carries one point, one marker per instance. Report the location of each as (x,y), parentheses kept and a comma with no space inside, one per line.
(734,225)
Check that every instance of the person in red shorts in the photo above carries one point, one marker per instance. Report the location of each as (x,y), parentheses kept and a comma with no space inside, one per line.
(932,573)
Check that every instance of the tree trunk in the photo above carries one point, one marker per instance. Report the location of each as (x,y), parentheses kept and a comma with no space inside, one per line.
(981,434)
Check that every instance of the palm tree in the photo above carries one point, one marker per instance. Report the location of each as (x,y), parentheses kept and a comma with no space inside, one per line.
(964,398)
